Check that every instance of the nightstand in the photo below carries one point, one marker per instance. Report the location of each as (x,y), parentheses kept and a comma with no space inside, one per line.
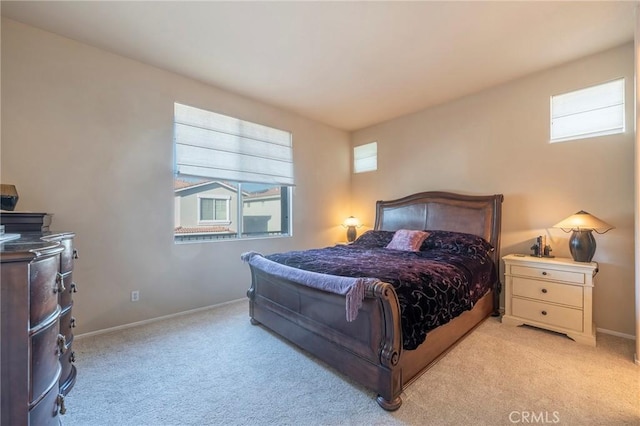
(551,293)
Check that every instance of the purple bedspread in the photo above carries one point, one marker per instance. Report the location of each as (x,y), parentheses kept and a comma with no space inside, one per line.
(433,285)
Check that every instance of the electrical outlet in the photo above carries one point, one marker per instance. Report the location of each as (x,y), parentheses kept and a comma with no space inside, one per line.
(135,295)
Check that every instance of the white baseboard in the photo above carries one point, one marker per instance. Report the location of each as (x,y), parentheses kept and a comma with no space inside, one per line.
(616,333)
(152,320)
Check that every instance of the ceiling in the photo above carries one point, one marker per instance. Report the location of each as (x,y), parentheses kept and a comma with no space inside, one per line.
(346,64)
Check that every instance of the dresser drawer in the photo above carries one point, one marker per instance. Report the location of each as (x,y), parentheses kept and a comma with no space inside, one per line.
(45,365)
(549,274)
(547,291)
(67,323)
(547,314)
(43,296)
(66,257)
(45,412)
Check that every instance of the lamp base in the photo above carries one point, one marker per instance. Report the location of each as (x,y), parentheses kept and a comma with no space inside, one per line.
(582,246)
(351,233)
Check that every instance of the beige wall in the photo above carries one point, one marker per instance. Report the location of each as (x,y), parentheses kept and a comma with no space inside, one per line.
(87,136)
(497,141)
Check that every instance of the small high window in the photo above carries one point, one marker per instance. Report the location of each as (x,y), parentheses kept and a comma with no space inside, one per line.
(585,113)
(365,158)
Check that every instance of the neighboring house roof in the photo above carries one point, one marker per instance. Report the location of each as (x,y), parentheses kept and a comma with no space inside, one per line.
(180,185)
(274,191)
(201,229)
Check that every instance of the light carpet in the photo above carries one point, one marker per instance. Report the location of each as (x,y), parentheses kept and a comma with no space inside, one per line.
(215,368)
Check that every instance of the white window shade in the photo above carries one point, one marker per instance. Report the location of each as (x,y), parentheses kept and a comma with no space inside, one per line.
(594,111)
(217,146)
(365,157)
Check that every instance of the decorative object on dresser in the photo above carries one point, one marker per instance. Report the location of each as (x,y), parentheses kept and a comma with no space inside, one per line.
(582,244)
(25,221)
(554,294)
(37,302)
(8,197)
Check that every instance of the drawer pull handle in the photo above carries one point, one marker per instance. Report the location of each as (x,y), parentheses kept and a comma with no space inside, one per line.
(75,253)
(544,272)
(59,283)
(60,402)
(72,322)
(544,290)
(74,287)
(62,344)
(544,312)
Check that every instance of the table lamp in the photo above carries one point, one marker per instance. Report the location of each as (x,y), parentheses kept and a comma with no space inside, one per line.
(351,223)
(582,244)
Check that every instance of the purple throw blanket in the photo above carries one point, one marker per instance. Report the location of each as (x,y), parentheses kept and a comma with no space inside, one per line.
(352,288)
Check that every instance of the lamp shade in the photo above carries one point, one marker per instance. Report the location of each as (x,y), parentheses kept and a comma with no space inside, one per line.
(583,221)
(351,221)
(582,244)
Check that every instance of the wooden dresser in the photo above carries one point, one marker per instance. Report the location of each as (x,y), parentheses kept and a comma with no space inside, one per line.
(37,359)
(65,300)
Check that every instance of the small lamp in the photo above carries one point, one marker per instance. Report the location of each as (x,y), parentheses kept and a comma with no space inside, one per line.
(351,223)
(582,244)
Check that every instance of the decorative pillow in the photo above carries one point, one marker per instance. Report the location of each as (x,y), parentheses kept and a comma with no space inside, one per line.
(407,240)
(456,242)
(374,239)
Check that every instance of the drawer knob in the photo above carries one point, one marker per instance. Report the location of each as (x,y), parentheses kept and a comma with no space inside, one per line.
(62,344)
(544,290)
(59,283)
(60,402)
(75,253)
(544,312)
(74,287)
(72,322)
(544,272)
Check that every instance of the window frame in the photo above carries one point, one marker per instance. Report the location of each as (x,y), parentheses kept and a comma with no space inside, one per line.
(271,144)
(599,105)
(361,155)
(214,221)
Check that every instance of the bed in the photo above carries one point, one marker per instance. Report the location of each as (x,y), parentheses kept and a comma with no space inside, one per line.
(357,326)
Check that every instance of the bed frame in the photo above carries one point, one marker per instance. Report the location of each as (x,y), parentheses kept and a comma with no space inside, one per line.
(369,349)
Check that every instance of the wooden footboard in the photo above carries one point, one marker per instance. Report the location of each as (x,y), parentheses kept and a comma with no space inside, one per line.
(368,349)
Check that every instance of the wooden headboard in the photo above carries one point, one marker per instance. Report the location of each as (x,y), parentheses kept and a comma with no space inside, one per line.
(445,211)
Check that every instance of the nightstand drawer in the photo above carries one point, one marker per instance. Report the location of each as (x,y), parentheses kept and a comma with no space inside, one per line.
(558,316)
(548,274)
(547,291)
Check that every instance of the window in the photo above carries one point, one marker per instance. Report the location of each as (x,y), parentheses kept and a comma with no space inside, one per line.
(593,111)
(365,158)
(233,178)
(213,209)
